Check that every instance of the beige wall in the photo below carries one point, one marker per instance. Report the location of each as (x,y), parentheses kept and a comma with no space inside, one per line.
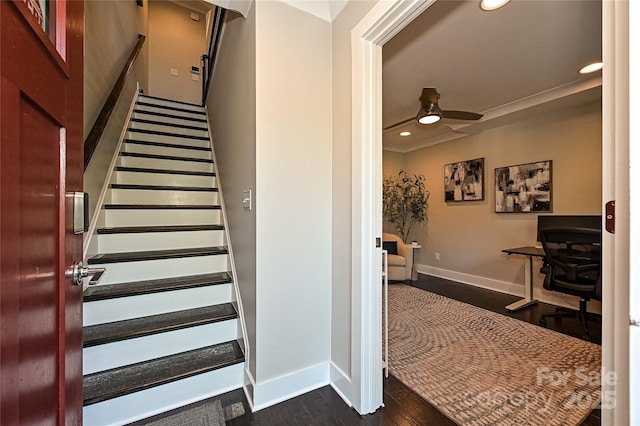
(266,140)
(178,42)
(231,107)
(469,235)
(293,190)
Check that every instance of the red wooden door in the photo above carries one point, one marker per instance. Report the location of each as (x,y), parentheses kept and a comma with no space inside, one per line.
(40,161)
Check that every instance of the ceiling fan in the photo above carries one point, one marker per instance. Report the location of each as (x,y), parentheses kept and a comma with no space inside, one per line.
(431,113)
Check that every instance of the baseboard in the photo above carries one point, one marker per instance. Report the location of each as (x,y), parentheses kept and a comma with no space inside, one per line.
(540,294)
(341,383)
(282,388)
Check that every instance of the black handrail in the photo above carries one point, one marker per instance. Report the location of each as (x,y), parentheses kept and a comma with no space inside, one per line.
(91,142)
(208,60)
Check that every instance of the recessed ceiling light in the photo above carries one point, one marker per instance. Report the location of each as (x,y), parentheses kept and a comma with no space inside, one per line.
(429,119)
(405,133)
(492,4)
(596,66)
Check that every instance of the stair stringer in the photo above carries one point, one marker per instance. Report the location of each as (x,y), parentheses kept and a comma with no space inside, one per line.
(232,265)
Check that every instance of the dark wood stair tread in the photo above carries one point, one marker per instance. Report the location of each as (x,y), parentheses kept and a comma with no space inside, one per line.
(167,115)
(172,134)
(169,100)
(169,108)
(161,207)
(116,331)
(158,228)
(163,123)
(163,187)
(167,145)
(165,157)
(163,171)
(137,288)
(136,256)
(124,380)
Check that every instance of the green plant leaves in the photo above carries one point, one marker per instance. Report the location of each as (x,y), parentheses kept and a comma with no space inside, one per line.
(404,201)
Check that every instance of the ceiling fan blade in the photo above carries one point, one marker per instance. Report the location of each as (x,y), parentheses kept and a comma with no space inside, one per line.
(461,115)
(400,123)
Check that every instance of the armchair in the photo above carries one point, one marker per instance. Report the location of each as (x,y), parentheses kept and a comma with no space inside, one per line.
(400,263)
(573,266)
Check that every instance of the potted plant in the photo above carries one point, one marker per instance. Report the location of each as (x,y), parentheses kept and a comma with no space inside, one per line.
(404,201)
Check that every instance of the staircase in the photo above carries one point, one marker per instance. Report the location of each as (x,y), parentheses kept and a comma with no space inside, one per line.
(161,330)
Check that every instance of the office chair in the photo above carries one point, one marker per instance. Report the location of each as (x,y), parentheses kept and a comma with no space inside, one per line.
(572,265)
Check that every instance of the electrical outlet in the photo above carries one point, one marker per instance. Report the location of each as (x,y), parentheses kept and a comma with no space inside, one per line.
(437,256)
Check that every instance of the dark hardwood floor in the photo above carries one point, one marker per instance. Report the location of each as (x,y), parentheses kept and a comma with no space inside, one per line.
(402,406)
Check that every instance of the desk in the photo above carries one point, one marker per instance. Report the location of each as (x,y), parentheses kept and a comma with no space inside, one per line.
(529,252)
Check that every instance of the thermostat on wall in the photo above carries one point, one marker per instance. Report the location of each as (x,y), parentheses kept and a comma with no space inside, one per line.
(195,70)
(195,17)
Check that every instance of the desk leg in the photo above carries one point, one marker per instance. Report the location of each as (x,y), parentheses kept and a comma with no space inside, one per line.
(528,287)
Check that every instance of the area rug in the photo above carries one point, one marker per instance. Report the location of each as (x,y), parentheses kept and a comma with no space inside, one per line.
(482,368)
(209,412)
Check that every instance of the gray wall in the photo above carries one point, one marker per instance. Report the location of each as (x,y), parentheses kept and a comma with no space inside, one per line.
(111,32)
(232,112)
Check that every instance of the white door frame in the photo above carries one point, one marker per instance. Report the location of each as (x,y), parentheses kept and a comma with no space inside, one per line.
(385,20)
(615,186)
(634,205)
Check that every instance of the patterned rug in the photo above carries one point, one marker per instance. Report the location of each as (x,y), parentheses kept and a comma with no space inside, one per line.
(482,368)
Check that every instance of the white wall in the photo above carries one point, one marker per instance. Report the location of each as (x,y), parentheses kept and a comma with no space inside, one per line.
(232,112)
(293,198)
(175,41)
(470,235)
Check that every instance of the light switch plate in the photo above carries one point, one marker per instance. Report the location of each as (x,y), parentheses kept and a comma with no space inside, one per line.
(246,200)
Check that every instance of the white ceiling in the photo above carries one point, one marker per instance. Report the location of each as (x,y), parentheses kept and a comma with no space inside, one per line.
(508,64)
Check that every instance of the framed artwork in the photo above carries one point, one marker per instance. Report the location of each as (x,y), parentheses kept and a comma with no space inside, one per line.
(525,188)
(464,180)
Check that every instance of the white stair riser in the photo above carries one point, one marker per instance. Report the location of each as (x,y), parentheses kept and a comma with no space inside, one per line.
(171,104)
(116,243)
(118,354)
(148,196)
(161,110)
(168,128)
(172,179)
(143,404)
(163,150)
(164,268)
(136,136)
(122,308)
(171,120)
(154,163)
(126,217)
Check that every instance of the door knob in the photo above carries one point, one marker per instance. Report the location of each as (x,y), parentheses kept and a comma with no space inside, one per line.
(80,271)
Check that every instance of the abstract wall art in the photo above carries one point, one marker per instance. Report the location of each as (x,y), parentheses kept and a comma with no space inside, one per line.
(525,188)
(464,180)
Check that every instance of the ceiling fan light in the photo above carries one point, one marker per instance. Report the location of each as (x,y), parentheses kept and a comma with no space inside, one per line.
(492,4)
(429,114)
(429,119)
(596,66)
